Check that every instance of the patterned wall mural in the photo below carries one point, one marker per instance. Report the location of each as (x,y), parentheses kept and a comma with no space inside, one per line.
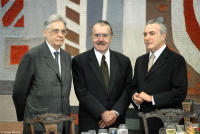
(9,17)
(128,19)
(182,19)
(22,22)
(20,30)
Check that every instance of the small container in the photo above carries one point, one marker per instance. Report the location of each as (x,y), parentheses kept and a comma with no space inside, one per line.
(103,131)
(84,132)
(123,129)
(171,129)
(113,130)
(195,126)
(179,132)
(92,131)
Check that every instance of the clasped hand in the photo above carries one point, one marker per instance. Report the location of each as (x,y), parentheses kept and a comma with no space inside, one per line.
(107,118)
(140,97)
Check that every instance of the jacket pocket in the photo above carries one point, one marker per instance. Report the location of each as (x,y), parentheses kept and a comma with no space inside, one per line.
(35,110)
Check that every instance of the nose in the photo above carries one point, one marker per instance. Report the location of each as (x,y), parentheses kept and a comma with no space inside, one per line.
(60,33)
(100,38)
(146,37)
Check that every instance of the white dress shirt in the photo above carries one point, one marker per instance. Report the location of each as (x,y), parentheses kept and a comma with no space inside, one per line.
(52,52)
(157,53)
(99,57)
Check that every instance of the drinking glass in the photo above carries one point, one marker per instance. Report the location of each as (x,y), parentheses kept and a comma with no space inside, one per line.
(113,130)
(187,125)
(92,131)
(103,131)
(84,132)
(171,129)
(123,129)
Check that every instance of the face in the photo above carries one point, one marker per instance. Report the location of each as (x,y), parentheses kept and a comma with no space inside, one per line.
(153,39)
(101,37)
(55,34)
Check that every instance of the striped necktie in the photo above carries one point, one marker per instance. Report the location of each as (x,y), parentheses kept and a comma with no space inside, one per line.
(151,61)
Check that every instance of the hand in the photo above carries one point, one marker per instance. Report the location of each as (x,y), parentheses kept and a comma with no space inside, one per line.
(137,99)
(145,97)
(108,118)
(103,124)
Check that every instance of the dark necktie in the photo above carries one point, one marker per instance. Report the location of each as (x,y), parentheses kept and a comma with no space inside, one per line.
(56,57)
(104,69)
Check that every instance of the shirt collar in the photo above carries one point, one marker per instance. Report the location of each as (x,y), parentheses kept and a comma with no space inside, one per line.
(99,55)
(52,49)
(158,52)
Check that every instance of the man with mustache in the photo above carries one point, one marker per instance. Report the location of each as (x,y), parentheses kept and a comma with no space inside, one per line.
(101,78)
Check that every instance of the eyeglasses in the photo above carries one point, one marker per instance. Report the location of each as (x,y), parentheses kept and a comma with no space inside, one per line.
(56,31)
(96,36)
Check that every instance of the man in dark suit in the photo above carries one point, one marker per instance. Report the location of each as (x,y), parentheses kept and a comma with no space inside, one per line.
(163,84)
(43,80)
(102,95)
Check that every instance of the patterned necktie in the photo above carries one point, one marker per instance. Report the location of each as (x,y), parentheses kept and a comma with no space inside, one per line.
(104,69)
(56,57)
(151,61)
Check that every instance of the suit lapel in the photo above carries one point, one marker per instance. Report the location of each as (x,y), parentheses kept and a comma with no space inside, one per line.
(50,60)
(95,68)
(63,64)
(145,63)
(159,63)
(113,71)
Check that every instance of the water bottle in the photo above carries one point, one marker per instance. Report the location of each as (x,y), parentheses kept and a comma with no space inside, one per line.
(122,129)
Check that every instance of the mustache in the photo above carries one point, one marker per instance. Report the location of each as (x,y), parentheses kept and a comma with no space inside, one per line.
(100,43)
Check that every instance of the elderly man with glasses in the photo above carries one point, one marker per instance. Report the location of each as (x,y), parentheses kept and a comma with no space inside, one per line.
(43,79)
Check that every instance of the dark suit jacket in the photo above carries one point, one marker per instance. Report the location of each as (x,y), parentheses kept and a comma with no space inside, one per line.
(166,81)
(91,91)
(38,86)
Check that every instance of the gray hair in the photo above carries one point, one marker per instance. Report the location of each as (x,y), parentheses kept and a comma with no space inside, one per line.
(103,22)
(163,28)
(53,18)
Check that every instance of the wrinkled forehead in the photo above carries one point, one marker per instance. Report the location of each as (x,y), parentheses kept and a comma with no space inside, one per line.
(101,28)
(152,28)
(57,25)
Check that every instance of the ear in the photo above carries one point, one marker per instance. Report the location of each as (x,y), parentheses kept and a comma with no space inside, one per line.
(112,37)
(44,32)
(164,36)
